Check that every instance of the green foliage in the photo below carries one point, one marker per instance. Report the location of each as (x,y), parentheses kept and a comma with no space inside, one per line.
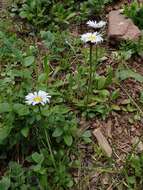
(22,125)
(56,13)
(125,74)
(130,48)
(8,47)
(41,143)
(99,101)
(36,12)
(134,171)
(135,12)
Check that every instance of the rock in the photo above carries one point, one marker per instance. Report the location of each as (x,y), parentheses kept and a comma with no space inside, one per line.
(122,28)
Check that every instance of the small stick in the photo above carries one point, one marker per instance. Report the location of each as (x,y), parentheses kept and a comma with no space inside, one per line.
(102,141)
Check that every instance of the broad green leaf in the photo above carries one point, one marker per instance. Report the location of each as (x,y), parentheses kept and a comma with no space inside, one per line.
(4,132)
(37,168)
(38,158)
(25,132)
(101,82)
(87,140)
(29,61)
(5,107)
(42,78)
(23,14)
(60,109)
(104,93)
(21,109)
(48,37)
(57,132)
(125,74)
(86,134)
(115,107)
(131,179)
(115,95)
(68,140)
(70,183)
(4,183)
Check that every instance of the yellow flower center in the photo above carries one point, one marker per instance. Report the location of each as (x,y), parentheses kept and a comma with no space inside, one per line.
(92,38)
(37,99)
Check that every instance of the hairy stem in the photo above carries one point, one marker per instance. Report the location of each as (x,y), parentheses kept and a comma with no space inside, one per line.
(89,88)
(48,142)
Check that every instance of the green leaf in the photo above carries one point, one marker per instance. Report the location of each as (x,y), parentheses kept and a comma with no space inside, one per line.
(87,140)
(25,132)
(70,16)
(57,132)
(101,83)
(115,107)
(5,107)
(68,140)
(125,74)
(115,95)
(70,184)
(5,183)
(42,78)
(38,158)
(23,14)
(48,37)
(4,132)
(131,179)
(29,61)
(86,134)
(21,109)
(37,168)
(46,66)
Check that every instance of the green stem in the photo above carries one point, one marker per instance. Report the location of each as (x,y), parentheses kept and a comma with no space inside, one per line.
(50,149)
(48,142)
(91,69)
(96,59)
(89,88)
(40,110)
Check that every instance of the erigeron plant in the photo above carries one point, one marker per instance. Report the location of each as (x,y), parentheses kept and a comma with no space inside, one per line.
(92,38)
(37,99)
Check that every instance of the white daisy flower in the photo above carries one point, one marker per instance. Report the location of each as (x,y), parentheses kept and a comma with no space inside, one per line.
(94,37)
(94,24)
(39,97)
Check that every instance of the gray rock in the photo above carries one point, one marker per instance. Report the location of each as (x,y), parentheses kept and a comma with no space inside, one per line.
(122,28)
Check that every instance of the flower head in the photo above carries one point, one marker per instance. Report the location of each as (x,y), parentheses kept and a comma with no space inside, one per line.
(39,97)
(92,37)
(94,24)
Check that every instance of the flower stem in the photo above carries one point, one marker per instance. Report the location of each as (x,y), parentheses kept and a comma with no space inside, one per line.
(89,88)
(91,69)
(96,59)
(48,142)
(50,149)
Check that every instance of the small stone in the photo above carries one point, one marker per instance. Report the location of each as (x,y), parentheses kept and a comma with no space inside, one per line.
(122,28)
